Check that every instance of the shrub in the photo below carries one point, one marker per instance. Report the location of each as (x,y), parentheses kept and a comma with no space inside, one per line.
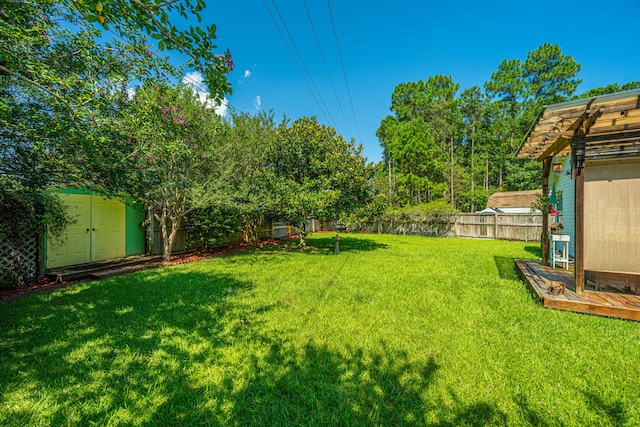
(208,227)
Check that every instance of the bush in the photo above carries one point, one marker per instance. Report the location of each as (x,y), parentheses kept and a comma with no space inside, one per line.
(208,227)
(428,219)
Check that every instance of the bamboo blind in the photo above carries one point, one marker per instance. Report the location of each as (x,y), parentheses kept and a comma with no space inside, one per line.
(612,216)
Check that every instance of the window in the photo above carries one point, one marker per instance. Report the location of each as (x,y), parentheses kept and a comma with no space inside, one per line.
(559,203)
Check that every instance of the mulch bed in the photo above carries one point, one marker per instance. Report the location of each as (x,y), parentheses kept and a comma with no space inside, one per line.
(49,285)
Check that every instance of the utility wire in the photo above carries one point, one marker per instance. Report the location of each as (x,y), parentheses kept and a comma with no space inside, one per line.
(326,67)
(335,33)
(275,23)
(299,55)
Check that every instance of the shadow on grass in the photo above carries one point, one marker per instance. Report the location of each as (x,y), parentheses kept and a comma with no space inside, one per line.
(535,250)
(531,415)
(612,410)
(316,385)
(117,346)
(178,347)
(325,244)
(506,267)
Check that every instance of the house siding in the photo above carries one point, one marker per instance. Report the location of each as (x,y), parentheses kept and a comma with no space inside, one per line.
(565,184)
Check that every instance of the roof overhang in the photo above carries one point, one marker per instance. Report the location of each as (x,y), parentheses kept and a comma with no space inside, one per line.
(603,121)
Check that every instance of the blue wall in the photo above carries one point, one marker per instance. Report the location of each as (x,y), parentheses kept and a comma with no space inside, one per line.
(567,186)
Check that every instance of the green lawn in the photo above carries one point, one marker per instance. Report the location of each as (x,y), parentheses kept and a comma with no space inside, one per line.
(392,331)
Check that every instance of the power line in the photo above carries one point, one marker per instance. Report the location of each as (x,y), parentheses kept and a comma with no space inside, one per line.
(300,56)
(324,61)
(295,60)
(335,33)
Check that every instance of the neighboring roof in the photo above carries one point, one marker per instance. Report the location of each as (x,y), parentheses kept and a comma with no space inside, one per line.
(603,121)
(513,199)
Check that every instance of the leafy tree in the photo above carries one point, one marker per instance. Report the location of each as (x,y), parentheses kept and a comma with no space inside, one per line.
(549,75)
(253,180)
(318,173)
(418,160)
(32,30)
(62,76)
(176,158)
(208,226)
(472,110)
(610,88)
(419,136)
(519,90)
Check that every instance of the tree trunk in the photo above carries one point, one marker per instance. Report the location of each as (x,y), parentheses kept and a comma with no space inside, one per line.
(486,174)
(167,237)
(453,201)
(166,247)
(473,205)
(251,233)
(175,224)
(303,233)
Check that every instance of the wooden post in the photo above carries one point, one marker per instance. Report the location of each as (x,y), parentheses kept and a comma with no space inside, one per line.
(579,230)
(546,169)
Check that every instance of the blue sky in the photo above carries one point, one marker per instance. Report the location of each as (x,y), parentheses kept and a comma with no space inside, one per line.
(384,44)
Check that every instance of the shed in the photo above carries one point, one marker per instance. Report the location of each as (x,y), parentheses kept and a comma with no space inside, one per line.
(598,141)
(103,228)
(513,201)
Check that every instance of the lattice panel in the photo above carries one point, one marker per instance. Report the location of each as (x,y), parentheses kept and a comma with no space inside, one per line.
(19,261)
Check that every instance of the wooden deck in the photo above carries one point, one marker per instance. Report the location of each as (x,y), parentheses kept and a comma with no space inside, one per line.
(611,301)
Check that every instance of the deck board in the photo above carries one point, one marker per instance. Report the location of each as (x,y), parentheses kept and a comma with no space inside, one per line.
(611,301)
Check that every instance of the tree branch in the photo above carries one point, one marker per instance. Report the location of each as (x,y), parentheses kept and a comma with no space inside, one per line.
(39,86)
(154,6)
(164,31)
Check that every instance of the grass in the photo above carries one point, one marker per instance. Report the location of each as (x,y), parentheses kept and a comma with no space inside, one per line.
(392,331)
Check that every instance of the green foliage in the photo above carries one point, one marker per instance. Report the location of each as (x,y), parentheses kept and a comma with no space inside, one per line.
(610,88)
(158,20)
(23,211)
(522,174)
(457,146)
(175,158)
(418,139)
(254,181)
(207,227)
(431,219)
(550,76)
(63,88)
(26,213)
(365,217)
(318,174)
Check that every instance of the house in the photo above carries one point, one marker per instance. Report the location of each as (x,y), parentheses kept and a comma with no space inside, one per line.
(590,150)
(513,202)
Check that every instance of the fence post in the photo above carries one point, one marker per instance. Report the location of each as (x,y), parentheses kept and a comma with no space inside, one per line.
(495,226)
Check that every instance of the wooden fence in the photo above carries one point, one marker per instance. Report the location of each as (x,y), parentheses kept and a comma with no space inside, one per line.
(527,227)
(182,242)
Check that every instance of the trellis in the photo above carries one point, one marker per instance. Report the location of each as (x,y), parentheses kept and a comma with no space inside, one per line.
(20,259)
